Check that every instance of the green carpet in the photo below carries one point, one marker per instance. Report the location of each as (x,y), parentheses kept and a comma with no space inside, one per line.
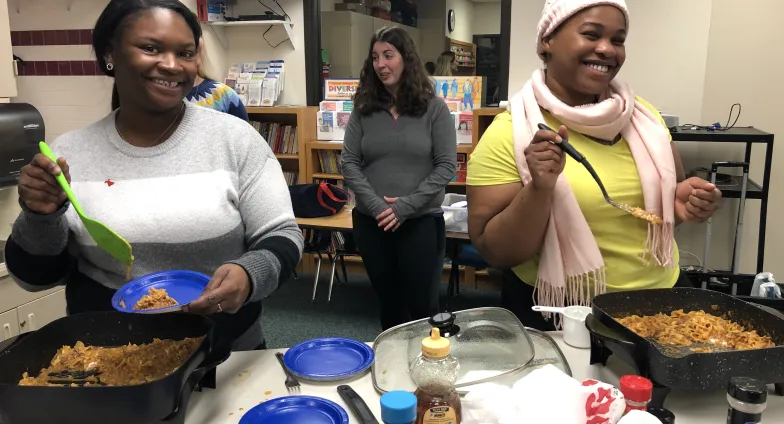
(290,317)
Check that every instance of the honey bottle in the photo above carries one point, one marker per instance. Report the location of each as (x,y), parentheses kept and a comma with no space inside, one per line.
(435,372)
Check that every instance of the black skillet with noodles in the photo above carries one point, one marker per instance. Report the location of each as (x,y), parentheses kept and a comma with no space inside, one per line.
(146,388)
(698,367)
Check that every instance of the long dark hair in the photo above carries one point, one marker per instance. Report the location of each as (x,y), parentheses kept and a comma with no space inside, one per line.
(415,90)
(110,25)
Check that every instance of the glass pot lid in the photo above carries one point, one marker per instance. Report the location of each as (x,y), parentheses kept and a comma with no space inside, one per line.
(488,343)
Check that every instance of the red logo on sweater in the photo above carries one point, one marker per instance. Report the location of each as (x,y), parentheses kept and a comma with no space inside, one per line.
(109,183)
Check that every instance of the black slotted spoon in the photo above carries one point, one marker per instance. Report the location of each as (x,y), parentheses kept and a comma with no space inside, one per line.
(580,158)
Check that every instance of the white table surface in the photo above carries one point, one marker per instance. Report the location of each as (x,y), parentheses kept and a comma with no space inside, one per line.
(249,378)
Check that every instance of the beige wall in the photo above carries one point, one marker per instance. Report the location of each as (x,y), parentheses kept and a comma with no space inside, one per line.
(487,18)
(464,11)
(691,59)
(666,54)
(744,63)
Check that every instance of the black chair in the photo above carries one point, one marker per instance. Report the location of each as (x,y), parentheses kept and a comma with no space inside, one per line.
(344,246)
(317,243)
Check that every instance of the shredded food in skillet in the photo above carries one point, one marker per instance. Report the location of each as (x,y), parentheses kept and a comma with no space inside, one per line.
(154,299)
(127,365)
(699,328)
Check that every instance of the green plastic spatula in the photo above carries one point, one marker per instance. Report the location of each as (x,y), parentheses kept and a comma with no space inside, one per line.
(104,236)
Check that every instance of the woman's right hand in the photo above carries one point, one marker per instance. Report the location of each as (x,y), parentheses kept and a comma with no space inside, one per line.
(38,188)
(546,160)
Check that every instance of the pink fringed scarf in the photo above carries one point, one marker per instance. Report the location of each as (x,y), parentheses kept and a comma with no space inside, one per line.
(571,268)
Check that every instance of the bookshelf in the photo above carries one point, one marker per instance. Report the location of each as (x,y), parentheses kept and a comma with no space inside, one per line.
(287,130)
(483,117)
(465,55)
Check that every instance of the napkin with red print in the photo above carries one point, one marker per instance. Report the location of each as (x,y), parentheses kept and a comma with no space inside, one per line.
(547,395)
(604,404)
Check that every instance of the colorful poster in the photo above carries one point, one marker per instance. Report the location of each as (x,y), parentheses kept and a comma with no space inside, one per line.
(462,94)
(340,89)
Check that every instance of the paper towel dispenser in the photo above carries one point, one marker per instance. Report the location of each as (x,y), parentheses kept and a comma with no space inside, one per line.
(21,128)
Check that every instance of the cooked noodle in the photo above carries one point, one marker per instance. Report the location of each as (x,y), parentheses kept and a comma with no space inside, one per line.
(696,328)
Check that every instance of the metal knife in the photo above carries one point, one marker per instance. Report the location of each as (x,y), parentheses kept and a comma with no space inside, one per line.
(357,404)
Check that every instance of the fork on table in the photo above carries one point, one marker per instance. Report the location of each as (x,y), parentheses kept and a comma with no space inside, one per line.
(292,384)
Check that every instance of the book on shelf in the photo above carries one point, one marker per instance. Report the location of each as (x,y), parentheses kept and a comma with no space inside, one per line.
(330,161)
(282,139)
(291,177)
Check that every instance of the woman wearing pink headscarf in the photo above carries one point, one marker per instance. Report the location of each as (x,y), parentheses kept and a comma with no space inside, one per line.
(540,213)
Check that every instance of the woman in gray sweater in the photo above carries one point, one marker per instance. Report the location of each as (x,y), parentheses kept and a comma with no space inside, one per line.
(399,152)
(189,187)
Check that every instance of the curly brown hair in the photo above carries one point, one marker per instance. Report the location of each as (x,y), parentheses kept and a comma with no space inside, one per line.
(415,88)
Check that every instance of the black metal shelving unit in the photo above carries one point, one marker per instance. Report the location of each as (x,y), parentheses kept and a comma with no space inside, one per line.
(748,136)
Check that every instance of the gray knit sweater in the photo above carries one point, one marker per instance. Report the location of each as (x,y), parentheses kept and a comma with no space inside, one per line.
(213,193)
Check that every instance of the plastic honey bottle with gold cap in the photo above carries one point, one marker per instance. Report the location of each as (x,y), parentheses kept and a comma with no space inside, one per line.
(435,372)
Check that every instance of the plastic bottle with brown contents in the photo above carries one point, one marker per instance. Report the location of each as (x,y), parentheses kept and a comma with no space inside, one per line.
(435,372)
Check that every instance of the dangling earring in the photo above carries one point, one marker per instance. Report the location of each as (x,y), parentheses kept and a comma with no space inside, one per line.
(109,66)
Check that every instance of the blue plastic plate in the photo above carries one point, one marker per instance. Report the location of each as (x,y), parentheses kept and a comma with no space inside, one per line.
(296,410)
(183,286)
(329,359)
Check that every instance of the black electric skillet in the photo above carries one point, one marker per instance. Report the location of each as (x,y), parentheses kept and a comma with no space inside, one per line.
(680,369)
(147,403)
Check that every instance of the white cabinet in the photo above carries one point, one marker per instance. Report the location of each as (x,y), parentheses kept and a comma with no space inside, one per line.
(22,311)
(7,72)
(9,325)
(346,36)
(34,315)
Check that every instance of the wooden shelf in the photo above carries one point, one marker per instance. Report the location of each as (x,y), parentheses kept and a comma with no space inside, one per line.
(489,111)
(325,176)
(279,110)
(326,145)
(286,156)
(338,145)
(301,117)
(483,117)
(233,24)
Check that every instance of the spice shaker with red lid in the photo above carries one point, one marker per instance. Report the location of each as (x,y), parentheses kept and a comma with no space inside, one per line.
(638,392)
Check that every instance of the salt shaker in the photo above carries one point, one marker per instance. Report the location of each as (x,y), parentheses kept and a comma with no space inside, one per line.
(637,391)
(747,399)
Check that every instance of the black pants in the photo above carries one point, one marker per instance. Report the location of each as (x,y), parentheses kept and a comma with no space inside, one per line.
(518,297)
(404,266)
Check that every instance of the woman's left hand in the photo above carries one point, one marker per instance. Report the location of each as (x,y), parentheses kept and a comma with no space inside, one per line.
(696,200)
(391,221)
(227,291)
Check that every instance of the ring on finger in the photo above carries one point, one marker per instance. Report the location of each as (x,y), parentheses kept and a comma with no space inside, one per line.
(220,309)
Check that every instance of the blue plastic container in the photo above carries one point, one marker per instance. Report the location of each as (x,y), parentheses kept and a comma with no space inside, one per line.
(398,407)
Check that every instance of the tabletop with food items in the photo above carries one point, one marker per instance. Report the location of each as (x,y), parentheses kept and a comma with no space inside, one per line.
(675,355)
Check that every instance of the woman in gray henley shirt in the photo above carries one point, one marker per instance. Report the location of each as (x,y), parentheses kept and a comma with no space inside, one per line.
(399,152)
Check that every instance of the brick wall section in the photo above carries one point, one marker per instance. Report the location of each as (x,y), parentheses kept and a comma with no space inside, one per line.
(52,37)
(59,68)
(55,37)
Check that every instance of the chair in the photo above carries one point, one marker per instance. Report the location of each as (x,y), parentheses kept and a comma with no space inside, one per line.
(467,255)
(344,246)
(317,243)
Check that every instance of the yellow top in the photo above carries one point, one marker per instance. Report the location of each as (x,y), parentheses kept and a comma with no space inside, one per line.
(435,346)
(620,236)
